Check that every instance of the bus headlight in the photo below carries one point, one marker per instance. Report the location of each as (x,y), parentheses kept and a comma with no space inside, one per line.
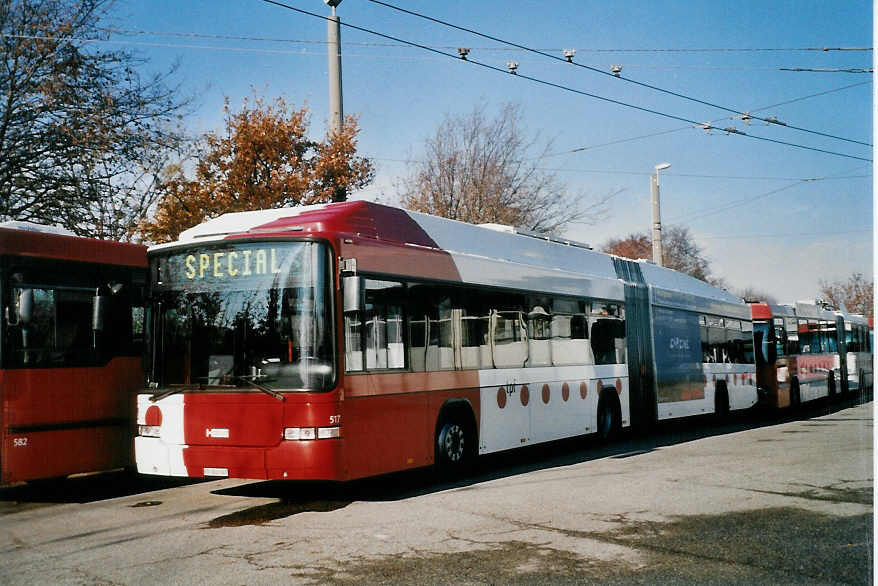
(149,430)
(311,433)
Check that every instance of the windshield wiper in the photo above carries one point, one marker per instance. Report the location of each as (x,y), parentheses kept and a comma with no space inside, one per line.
(252,380)
(247,379)
(172,391)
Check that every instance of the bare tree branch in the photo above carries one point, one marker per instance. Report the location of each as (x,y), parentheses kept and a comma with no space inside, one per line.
(481,170)
(82,133)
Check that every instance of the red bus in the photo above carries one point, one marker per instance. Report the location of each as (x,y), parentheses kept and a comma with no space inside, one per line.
(353,339)
(800,353)
(72,340)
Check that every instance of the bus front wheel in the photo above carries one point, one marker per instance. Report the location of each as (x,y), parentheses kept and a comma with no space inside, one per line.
(455,444)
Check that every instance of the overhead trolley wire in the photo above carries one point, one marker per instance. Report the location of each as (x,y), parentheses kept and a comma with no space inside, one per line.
(678,129)
(705,212)
(610,74)
(561,87)
(141,32)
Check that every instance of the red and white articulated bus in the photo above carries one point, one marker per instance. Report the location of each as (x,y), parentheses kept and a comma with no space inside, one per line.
(855,352)
(800,355)
(71,341)
(352,339)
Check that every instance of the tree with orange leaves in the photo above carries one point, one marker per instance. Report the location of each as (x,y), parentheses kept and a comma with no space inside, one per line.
(265,159)
(679,252)
(857,293)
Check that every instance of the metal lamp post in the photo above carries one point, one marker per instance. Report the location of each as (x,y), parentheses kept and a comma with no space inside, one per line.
(656,215)
(336,114)
(333,34)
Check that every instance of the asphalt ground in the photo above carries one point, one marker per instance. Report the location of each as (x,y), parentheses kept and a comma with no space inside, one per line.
(780,499)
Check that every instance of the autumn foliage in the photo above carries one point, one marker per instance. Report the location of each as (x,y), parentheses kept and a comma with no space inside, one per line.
(679,251)
(857,294)
(265,159)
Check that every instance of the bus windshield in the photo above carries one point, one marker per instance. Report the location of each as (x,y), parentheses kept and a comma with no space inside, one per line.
(242,315)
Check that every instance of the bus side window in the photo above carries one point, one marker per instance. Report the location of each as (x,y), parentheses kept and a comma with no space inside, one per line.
(472,324)
(831,337)
(509,337)
(780,333)
(746,343)
(569,332)
(608,333)
(384,325)
(539,333)
(716,340)
(706,353)
(374,336)
(804,337)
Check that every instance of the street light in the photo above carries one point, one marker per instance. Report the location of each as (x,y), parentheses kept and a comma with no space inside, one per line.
(333,34)
(336,113)
(656,215)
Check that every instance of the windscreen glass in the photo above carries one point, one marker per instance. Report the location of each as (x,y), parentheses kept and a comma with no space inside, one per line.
(239,315)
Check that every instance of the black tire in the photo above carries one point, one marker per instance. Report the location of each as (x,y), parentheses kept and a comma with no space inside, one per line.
(721,402)
(609,417)
(795,394)
(455,445)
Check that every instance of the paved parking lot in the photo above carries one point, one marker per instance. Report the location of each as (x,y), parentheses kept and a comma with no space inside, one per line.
(751,501)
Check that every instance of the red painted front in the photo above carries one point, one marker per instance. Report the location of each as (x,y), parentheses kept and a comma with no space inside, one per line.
(60,421)
(251,444)
(388,423)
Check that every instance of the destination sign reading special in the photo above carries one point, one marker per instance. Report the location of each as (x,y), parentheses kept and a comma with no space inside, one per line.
(228,264)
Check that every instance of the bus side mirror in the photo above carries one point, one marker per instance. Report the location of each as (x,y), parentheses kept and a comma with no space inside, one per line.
(22,311)
(353,293)
(99,312)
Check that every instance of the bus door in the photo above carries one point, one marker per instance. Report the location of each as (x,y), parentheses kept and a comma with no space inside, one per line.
(641,374)
(840,358)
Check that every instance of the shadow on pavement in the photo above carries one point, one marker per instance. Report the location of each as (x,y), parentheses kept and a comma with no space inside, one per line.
(296,497)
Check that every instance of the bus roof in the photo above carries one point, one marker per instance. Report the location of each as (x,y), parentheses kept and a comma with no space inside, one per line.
(811,310)
(391,240)
(19,242)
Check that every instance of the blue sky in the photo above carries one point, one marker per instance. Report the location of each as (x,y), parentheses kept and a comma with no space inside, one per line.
(771,216)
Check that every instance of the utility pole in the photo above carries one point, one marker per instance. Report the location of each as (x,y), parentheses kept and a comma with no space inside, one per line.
(336,113)
(656,214)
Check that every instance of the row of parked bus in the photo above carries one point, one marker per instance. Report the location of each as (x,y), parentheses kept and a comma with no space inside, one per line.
(353,339)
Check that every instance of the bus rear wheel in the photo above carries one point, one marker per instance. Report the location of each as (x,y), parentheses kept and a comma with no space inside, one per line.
(609,417)
(721,402)
(795,394)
